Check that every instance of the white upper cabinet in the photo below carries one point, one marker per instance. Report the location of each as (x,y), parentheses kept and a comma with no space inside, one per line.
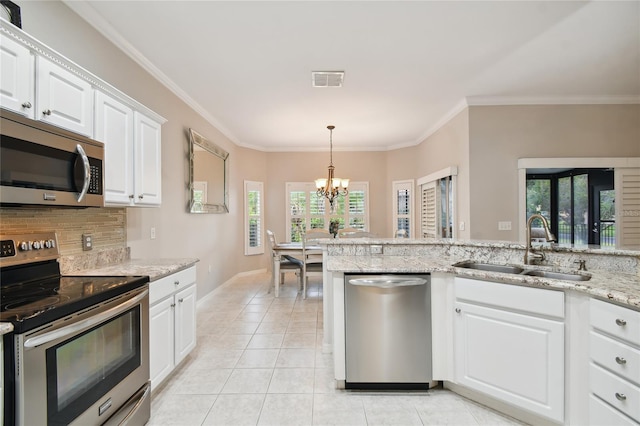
(147,159)
(16,77)
(63,99)
(114,127)
(41,84)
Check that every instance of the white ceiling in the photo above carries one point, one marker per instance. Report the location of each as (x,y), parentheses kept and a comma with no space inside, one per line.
(409,66)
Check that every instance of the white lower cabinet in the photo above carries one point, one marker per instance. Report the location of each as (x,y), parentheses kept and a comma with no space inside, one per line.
(614,370)
(509,344)
(172,322)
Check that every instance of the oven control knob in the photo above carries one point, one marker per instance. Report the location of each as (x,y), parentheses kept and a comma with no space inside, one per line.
(49,244)
(24,246)
(37,245)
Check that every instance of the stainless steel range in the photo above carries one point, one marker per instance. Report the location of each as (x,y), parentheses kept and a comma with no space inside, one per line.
(79,352)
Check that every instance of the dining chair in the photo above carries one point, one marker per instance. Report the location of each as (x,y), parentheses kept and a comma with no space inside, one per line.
(311,257)
(287,264)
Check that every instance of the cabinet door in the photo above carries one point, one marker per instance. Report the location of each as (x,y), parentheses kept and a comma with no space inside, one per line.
(161,340)
(63,99)
(147,160)
(185,301)
(114,127)
(514,357)
(17,77)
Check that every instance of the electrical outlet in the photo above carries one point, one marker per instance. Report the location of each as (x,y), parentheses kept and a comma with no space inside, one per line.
(87,242)
(461,226)
(376,249)
(504,226)
(153,233)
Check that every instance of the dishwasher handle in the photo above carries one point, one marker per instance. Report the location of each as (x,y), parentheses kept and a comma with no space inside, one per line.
(385,281)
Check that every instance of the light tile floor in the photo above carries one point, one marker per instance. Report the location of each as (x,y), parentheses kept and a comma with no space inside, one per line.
(259,362)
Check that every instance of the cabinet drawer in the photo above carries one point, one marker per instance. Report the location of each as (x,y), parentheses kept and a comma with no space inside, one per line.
(615,356)
(619,393)
(602,414)
(170,284)
(536,301)
(615,320)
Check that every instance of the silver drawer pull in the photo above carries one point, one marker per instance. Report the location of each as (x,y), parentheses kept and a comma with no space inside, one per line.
(457,310)
(621,396)
(46,112)
(621,322)
(181,300)
(26,105)
(621,360)
(176,282)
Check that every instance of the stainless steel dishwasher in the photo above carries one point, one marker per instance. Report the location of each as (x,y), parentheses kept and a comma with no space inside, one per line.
(388,331)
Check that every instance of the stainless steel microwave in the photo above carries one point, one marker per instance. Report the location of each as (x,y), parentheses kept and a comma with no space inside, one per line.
(44,165)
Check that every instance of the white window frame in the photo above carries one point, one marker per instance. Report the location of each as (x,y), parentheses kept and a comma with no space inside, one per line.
(309,189)
(433,181)
(252,186)
(397,186)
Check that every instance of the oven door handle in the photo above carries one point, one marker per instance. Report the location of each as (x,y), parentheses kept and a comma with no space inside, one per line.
(72,329)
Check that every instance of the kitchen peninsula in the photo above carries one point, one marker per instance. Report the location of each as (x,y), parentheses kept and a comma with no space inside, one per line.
(523,343)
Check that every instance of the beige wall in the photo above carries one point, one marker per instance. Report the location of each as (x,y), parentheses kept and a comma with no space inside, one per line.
(500,135)
(216,239)
(307,166)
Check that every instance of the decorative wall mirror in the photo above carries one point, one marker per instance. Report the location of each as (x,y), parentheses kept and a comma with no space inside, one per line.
(208,176)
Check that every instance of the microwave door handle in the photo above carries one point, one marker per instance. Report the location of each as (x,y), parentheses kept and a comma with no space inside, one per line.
(87,172)
(72,329)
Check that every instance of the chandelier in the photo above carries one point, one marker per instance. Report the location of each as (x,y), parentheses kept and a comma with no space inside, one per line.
(332,186)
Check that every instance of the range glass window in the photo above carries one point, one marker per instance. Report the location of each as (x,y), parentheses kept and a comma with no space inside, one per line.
(84,368)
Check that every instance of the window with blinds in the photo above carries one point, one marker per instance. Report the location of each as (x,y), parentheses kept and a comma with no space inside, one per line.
(306,210)
(437,204)
(403,208)
(254,218)
(627,187)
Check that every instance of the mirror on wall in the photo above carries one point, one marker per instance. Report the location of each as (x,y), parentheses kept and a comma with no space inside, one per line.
(208,176)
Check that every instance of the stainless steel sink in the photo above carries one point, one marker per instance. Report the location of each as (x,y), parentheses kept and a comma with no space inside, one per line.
(490,267)
(567,276)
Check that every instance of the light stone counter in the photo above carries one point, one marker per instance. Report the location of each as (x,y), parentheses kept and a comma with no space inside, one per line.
(5,327)
(615,274)
(154,268)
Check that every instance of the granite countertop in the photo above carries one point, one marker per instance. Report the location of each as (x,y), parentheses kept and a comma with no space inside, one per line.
(612,286)
(5,327)
(154,268)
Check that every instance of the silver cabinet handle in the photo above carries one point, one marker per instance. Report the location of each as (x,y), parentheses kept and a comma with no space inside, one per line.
(141,196)
(46,112)
(621,322)
(176,282)
(621,396)
(458,310)
(620,360)
(131,196)
(181,300)
(26,105)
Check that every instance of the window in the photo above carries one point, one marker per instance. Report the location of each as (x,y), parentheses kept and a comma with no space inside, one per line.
(578,203)
(305,210)
(437,204)
(403,207)
(253,218)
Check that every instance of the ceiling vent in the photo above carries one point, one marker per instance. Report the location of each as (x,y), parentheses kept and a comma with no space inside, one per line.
(327,78)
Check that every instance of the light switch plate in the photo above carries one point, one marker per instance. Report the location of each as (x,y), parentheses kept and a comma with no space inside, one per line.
(504,226)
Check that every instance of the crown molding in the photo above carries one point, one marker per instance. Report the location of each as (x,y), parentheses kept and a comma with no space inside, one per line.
(88,13)
(552,100)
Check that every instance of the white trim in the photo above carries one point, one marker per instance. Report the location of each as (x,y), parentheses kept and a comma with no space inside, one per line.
(577,163)
(448,171)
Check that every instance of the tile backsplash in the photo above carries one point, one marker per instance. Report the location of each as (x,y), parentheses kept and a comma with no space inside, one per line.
(106,225)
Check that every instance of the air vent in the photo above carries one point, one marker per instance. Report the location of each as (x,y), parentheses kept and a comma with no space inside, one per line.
(327,78)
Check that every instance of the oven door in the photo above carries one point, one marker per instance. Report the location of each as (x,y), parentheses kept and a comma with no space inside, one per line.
(81,369)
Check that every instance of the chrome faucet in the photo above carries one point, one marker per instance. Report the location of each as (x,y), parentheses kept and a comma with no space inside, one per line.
(531,256)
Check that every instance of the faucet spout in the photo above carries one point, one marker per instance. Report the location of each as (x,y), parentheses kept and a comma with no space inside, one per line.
(530,255)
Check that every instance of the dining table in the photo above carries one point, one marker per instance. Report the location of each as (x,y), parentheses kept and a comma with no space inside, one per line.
(293,249)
